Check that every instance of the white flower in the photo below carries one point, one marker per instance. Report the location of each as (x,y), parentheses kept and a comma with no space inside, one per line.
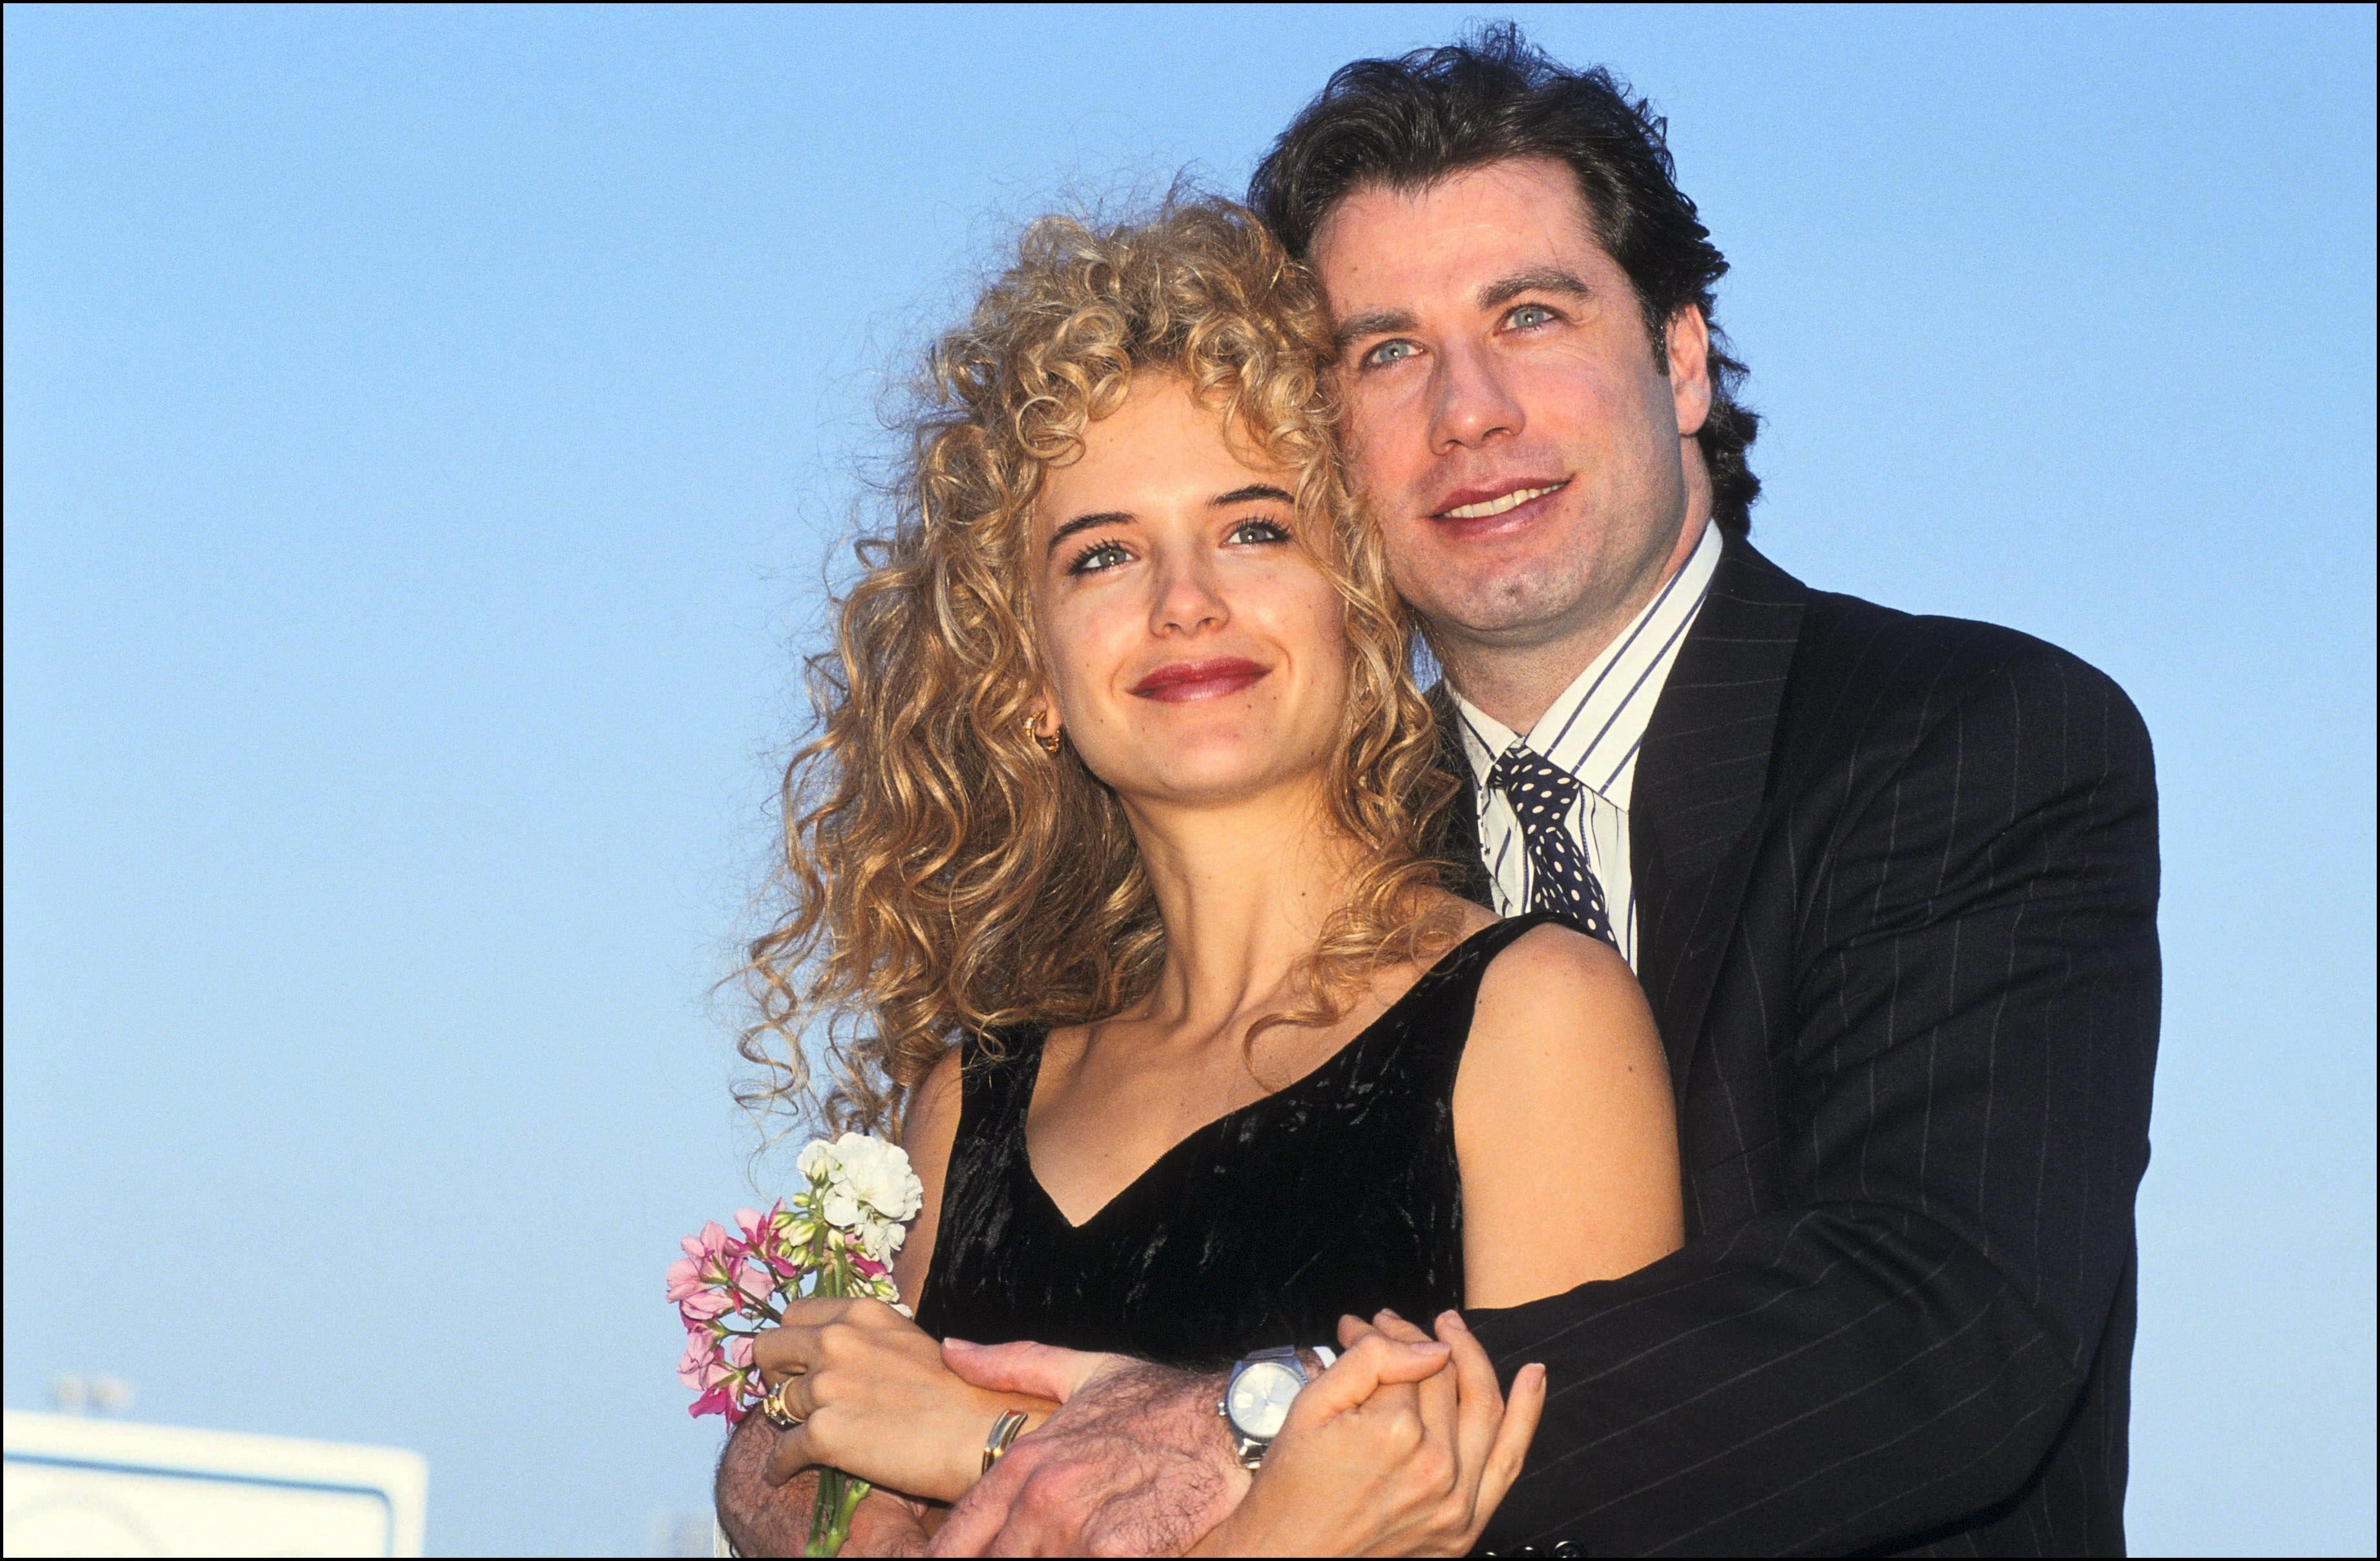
(869,1170)
(816,1159)
(864,1187)
(882,1240)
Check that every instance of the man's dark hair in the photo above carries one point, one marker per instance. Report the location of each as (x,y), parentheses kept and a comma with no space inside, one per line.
(1407,122)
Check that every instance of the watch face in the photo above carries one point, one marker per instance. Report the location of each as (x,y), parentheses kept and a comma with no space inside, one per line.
(1260,1399)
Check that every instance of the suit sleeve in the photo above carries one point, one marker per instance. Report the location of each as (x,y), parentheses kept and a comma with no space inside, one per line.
(1962,1078)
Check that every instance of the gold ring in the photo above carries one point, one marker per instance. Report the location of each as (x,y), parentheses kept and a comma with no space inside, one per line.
(1003,1432)
(775,1408)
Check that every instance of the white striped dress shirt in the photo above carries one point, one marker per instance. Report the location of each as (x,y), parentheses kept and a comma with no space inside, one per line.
(1592,731)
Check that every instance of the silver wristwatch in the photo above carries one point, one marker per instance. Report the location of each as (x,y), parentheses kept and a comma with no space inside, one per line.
(1256,1401)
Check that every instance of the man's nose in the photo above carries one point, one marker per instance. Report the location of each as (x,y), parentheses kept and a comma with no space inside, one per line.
(1472,405)
(1189,597)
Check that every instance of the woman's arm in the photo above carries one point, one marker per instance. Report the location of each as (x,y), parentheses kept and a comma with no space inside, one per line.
(932,1128)
(1564,1125)
(874,1397)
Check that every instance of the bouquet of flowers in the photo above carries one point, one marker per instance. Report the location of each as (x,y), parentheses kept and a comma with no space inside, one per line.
(837,1237)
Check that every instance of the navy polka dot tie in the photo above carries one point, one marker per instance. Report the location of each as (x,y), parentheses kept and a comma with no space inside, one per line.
(1542,795)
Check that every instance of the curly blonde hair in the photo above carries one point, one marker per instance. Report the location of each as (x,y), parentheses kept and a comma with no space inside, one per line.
(940,873)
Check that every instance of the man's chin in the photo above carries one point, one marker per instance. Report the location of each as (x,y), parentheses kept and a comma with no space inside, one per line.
(1508,613)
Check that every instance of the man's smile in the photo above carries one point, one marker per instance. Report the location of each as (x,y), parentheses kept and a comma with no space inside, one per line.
(1515,501)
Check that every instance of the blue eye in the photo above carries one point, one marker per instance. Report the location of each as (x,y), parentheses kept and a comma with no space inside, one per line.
(1098,557)
(1528,316)
(1389,352)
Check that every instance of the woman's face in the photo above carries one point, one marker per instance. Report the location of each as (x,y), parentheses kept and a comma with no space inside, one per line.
(1195,652)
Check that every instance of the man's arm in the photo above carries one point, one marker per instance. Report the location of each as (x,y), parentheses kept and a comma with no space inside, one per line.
(1135,1461)
(763,1520)
(1966,1095)
(757,1518)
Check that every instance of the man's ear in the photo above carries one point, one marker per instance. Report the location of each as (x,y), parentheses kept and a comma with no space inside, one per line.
(1690,386)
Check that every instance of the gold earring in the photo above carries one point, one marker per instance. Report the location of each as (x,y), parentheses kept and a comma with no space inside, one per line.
(1050,744)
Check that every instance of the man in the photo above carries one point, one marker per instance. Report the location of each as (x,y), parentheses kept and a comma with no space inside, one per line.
(1889,883)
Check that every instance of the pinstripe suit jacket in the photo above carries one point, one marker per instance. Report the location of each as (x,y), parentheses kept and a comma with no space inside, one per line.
(1897,882)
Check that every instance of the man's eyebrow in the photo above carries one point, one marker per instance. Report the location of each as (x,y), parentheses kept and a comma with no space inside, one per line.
(1084,523)
(1253,491)
(1379,322)
(1536,279)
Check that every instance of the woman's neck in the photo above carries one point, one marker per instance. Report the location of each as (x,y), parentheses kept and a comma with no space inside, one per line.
(1244,891)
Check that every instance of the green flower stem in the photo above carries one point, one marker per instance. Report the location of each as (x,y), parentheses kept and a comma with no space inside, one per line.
(839,1496)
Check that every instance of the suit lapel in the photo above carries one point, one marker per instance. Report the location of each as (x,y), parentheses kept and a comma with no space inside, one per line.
(1701,777)
(1454,838)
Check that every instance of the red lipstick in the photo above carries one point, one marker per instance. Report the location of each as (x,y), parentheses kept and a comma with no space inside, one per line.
(1183,680)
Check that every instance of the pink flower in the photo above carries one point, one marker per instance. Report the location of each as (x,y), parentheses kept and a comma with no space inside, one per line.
(739,1351)
(700,1367)
(684,1279)
(764,1236)
(714,1242)
(868,1267)
(755,1280)
(717,1401)
(703,1305)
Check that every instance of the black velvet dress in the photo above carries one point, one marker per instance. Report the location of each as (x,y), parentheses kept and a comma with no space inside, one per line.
(1337,1195)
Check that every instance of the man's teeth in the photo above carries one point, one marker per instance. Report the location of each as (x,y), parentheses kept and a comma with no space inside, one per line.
(1496,506)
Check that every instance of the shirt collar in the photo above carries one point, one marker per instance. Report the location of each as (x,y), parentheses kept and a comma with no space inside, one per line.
(1594,728)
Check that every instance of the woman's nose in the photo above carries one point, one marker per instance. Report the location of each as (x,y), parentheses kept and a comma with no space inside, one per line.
(1189,598)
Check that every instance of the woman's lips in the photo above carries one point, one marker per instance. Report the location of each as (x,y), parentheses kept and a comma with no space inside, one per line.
(1199,679)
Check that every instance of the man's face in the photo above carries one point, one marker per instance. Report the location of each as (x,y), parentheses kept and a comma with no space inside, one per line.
(1510,428)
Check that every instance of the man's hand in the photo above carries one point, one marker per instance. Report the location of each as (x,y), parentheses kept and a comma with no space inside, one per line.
(759,1519)
(1135,1461)
(763,1520)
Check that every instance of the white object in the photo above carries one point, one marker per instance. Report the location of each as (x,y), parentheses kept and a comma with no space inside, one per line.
(76,1486)
(1594,729)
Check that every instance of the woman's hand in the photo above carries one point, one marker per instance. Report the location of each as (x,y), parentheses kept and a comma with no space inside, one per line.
(1370,1466)
(876,1401)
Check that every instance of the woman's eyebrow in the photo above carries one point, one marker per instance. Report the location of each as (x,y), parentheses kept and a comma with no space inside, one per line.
(1085,522)
(1253,491)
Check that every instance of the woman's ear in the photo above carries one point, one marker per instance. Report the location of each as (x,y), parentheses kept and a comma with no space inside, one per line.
(1045,724)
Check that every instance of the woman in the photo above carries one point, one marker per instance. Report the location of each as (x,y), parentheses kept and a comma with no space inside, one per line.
(1112,848)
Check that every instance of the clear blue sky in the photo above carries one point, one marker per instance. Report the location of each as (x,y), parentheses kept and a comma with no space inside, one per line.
(424,429)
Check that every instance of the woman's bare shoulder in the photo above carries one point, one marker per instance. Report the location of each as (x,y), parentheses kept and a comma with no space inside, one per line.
(1564,1124)
(933,1115)
(1552,957)
(1558,990)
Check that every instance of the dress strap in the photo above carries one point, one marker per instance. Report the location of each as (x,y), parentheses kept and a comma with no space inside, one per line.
(1467,961)
(996,1077)
(1489,942)
(1423,1033)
